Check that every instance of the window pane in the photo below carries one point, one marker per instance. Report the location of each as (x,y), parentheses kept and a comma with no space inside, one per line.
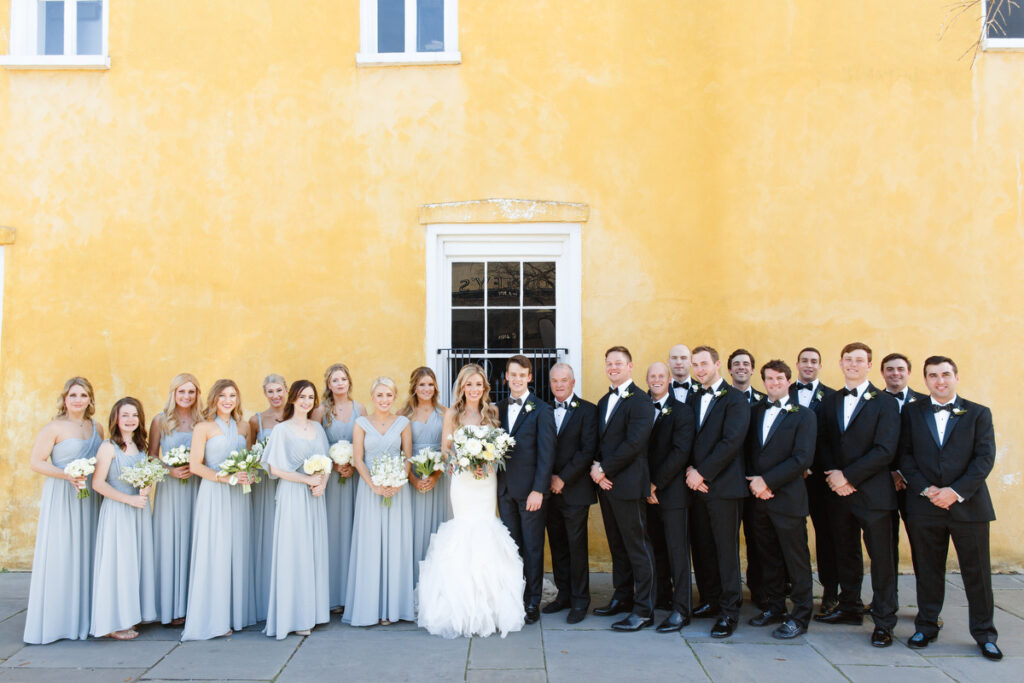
(390,25)
(539,284)
(539,329)
(503,283)
(1005,20)
(467,284)
(51,27)
(502,328)
(467,328)
(90,27)
(430,26)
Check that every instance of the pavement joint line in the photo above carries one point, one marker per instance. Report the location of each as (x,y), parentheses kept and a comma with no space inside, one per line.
(469,651)
(295,650)
(827,660)
(698,659)
(543,650)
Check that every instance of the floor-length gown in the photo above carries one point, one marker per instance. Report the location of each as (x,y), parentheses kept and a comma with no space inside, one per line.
(299,590)
(263,496)
(341,510)
(124,585)
(380,570)
(220,589)
(60,590)
(172,535)
(432,508)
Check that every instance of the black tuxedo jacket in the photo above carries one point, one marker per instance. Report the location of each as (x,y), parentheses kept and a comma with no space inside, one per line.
(865,449)
(754,398)
(575,446)
(962,462)
(718,444)
(815,404)
(668,452)
(782,459)
(622,444)
(528,467)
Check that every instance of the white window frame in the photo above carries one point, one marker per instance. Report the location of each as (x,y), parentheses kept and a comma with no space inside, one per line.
(23,52)
(368,55)
(997,42)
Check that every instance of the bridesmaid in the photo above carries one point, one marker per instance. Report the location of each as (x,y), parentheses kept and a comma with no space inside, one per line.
(123,589)
(338,414)
(380,588)
(220,583)
(431,505)
(263,494)
(175,498)
(60,592)
(299,590)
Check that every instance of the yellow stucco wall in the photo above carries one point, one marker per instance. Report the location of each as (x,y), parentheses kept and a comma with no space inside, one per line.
(234,196)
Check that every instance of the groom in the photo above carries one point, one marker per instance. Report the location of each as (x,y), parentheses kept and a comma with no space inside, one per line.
(524,483)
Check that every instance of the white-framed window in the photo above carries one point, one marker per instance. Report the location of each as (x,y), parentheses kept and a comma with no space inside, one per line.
(396,32)
(58,34)
(1002,25)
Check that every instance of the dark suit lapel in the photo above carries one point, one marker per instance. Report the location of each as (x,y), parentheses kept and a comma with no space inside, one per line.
(861,400)
(775,425)
(929,418)
(615,408)
(711,406)
(522,414)
(503,414)
(841,413)
(953,420)
(569,413)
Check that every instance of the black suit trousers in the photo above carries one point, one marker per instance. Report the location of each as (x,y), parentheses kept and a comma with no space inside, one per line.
(527,529)
(848,521)
(783,552)
(930,537)
(632,560)
(901,511)
(751,540)
(567,539)
(824,545)
(715,534)
(669,531)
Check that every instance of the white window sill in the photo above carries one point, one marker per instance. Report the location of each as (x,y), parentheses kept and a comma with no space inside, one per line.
(55,61)
(1002,44)
(407,58)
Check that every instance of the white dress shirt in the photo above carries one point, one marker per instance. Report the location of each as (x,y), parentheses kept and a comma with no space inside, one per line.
(560,412)
(941,422)
(513,409)
(805,396)
(659,405)
(901,397)
(705,399)
(613,399)
(680,393)
(850,402)
(770,415)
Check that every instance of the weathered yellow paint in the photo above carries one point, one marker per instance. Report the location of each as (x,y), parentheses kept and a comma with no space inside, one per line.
(234,196)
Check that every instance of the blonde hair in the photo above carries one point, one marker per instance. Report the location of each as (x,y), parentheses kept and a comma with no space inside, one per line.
(385,381)
(215,391)
(274,378)
(414,401)
(62,408)
(488,411)
(327,398)
(170,423)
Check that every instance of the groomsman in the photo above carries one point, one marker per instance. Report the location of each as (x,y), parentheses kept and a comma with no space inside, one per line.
(858,432)
(809,392)
(668,454)
(572,494)
(741,369)
(717,476)
(526,480)
(947,449)
(679,364)
(620,470)
(779,449)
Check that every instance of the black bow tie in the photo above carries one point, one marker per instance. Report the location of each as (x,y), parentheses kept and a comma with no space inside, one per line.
(800,386)
(612,391)
(515,401)
(680,385)
(939,409)
(773,404)
(562,404)
(899,394)
(850,392)
(700,391)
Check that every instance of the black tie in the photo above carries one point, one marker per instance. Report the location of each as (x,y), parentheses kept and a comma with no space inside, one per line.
(939,409)
(562,404)
(774,404)
(515,401)
(849,392)
(680,385)
(899,394)
(700,391)
(613,391)
(801,386)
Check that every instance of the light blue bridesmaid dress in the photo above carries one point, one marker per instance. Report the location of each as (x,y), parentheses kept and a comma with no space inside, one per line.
(60,591)
(263,495)
(123,587)
(172,534)
(299,588)
(380,570)
(220,586)
(433,508)
(341,510)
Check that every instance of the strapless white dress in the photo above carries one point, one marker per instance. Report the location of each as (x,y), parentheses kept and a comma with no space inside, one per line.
(471,582)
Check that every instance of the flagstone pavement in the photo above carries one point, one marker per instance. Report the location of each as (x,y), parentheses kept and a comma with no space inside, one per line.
(547,651)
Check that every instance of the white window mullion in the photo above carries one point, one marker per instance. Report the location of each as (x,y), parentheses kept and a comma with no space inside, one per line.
(451,26)
(70,27)
(410,26)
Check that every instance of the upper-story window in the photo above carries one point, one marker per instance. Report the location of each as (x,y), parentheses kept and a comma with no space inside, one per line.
(396,32)
(1003,24)
(51,34)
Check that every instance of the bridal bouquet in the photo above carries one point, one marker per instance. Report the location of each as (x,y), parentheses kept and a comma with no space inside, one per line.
(316,464)
(388,470)
(426,462)
(246,460)
(341,454)
(143,474)
(176,457)
(82,467)
(475,447)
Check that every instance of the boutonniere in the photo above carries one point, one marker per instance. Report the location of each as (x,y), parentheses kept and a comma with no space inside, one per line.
(757,396)
(627,394)
(529,406)
(911,399)
(720,393)
(574,405)
(959,411)
(667,410)
(868,395)
(791,408)
(818,396)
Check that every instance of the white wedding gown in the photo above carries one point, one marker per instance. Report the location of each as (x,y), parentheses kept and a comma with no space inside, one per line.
(471,582)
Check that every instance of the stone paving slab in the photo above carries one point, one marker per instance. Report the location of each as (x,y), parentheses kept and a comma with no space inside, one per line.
(245,655)
(733,662)
(573,656)
(90,654)
(852,645)
(12,630)
(862,673)
(70,675)
(521,650)
(11,606)
(510,676)
(977,669)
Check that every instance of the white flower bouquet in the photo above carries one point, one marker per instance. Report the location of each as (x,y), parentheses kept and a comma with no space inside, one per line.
(82,467)
(246,460)
(427,461)
(341,454)
(143,474)
(177,457)
(316,464)
(475,447)
(388,470)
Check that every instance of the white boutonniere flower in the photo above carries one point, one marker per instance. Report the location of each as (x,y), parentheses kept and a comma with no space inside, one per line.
(868,395)
(720,393)
(910,399)
(791,408)
(818,396)
(959,411)
(574,405)
(528,407)
(667,410)
(627,394)
(757,396)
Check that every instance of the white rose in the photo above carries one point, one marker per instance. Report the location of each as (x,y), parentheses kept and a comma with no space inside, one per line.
(463,461)
(473,447)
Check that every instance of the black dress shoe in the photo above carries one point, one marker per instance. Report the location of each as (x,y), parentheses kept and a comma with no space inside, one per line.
(673,622)
(840,617)
(789,629)
(613,607)
(991,651)
(532,615)
(919,641)
(634,622)
(705,611)
(554,607)
(723,628)
(881,637)
(767,617)
(829,605)
(575,616)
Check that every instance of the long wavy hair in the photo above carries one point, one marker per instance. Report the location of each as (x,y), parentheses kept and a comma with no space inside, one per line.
(139,436)
(488,411)
(293,396)
(327,398)
(170,422)
(62,409)
(211,400)
(413,401)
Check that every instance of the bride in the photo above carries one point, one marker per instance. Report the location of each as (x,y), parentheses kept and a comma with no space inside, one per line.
(471,582)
